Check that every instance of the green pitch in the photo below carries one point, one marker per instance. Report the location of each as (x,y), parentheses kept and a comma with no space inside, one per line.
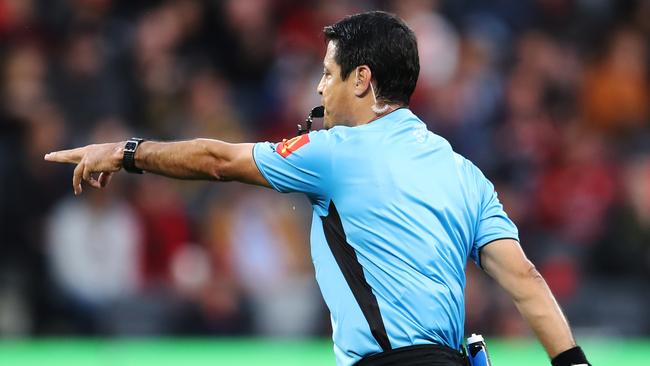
(253,352)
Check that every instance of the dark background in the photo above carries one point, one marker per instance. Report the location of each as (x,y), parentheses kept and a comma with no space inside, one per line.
(549,98)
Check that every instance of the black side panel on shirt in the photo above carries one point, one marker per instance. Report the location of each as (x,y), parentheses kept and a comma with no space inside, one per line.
(346,258)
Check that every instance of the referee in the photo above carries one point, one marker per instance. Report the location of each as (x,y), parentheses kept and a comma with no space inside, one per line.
(397,213)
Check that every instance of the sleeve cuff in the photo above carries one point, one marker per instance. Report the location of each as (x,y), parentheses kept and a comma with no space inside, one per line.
(273,185)
(478,256)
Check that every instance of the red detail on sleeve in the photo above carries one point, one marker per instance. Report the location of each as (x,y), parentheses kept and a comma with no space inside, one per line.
(286,147)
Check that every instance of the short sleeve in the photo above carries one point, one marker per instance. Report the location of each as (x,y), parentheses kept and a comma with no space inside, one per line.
(301,164)
(493,222)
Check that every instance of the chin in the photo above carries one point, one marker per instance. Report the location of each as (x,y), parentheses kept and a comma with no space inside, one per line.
(327,123)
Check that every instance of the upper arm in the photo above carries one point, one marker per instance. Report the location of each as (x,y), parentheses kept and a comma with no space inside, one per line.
(301,164)
(493,223)
(505,261)
(235,162)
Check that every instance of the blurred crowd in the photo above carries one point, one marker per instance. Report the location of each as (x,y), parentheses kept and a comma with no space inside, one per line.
(550,98)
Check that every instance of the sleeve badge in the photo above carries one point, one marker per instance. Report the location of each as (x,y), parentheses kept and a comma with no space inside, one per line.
(286,147)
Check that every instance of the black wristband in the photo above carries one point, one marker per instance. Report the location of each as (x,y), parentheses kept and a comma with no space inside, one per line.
(572,356)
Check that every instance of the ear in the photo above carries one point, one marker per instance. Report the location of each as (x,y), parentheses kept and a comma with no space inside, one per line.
(362,79)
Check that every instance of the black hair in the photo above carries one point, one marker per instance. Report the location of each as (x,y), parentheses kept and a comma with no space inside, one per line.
(383,42)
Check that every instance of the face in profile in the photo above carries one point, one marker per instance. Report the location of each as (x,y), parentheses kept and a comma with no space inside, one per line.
(336,93)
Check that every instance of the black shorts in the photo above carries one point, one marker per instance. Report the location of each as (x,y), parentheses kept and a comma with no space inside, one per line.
(418,355)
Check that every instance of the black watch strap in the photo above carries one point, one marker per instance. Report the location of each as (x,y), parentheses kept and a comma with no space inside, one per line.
(128,159)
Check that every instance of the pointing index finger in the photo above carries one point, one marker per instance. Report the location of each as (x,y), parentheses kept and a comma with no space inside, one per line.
(65,156)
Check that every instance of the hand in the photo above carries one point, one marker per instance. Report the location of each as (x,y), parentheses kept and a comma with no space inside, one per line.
(104,159)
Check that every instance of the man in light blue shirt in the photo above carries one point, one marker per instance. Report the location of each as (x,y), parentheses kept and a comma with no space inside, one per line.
(404,219)
(397,214)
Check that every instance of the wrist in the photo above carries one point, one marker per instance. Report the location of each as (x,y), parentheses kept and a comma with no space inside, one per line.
(118,154)
(570,357)
(138,157)
(129,155)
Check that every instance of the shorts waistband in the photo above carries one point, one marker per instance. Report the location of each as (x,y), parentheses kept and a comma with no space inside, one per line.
(417,355)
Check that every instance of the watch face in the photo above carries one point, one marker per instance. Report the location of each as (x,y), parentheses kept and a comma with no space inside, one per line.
(130,146)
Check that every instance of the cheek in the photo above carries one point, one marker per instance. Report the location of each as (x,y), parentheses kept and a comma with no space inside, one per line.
(326,88)
(331,93)
(333,98)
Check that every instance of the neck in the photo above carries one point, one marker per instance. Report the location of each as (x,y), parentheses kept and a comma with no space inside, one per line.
(369,112)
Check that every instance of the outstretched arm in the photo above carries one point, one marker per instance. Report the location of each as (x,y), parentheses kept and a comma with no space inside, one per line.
(194,159)
(506,262)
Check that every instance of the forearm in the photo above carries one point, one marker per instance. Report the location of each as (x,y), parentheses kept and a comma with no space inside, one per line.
(193,159)
(537,305)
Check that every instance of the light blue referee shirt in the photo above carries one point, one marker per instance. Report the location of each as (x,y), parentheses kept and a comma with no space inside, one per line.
(397,213)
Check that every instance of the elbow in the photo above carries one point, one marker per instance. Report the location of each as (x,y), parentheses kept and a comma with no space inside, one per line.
(529,272)
(213,165)
(219,171)
(215,173)
(526,283)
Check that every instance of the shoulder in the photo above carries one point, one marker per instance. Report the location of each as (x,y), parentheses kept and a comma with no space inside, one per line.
(472,176)
(302,145)
(463,163)
(331,138)
(467,165)
(334,134)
